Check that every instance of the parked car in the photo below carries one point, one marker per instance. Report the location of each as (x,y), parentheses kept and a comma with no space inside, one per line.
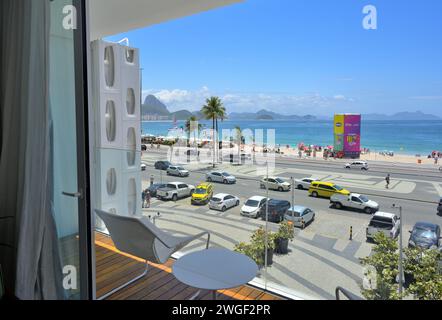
(305,183)
(276,210)
(274,183)
(203,193)
(153,188)
(223,201)
(361,165)
(175,190)
(387,223)
(219,176)
(326,189)
(354,201)
(439,208)
(177,171)
(300,216)
(252,206)
(143,167)
(143,147)
(162,165)
(425,235)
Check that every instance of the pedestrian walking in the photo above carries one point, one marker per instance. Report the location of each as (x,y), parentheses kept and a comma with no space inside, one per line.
(147,198)
(152,179)
(143,198)
(387,181)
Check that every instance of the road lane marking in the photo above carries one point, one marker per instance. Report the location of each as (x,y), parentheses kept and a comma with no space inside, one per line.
(363,251)
(341,244)
(438,188)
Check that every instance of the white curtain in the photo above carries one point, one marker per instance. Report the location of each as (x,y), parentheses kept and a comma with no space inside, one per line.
(28,236)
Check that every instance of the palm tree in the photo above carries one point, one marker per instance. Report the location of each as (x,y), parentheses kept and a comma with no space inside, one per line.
(214,110)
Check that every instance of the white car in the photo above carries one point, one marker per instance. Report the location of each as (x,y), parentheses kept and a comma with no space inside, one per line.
(275,183)
(305,183)
(252,206)
(143,167)
(361,165)
(177,171)
(354,201)
(223,201)
(387,223)
(300,216)
(175,190)
(219,176)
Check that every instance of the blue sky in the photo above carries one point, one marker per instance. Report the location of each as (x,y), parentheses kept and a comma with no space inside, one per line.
(298,57)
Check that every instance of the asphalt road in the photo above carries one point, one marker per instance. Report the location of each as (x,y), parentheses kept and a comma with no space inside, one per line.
(419,205)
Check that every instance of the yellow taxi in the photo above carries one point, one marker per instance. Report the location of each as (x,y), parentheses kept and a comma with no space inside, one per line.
(326,189)
(202,194)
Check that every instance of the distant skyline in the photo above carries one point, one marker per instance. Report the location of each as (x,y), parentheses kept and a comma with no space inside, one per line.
(298,57)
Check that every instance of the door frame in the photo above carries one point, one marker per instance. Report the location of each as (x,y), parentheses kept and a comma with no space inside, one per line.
(82,92)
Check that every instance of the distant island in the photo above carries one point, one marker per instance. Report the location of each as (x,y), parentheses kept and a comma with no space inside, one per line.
(268,115)
(155,110)
(401,116)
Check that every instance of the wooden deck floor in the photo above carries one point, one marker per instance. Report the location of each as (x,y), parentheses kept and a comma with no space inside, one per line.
(115,268)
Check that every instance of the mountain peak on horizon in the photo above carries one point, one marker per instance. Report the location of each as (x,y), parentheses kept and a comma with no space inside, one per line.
(404,115)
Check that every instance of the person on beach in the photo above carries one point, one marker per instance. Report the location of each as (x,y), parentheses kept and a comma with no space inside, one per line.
(387,180)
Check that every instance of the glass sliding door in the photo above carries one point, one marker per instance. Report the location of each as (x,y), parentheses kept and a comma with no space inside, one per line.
(69,147)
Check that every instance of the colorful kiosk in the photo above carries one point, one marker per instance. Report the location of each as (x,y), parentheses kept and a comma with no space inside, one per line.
(347,135)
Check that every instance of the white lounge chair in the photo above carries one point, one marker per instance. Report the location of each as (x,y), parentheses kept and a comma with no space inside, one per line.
(141,238)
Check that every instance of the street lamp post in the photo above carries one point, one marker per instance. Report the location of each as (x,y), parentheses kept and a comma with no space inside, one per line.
(267,222)
(293,194)
(401,271)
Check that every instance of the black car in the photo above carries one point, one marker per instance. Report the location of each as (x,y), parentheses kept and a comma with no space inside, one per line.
(153,189)
(425,235)
(143,147)
(277,210)
(439,208)
(162,165)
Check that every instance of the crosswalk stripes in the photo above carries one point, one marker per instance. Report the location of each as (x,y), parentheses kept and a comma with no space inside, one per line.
(341,244)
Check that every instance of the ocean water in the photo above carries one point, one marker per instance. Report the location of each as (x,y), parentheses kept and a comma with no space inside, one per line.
(406,137)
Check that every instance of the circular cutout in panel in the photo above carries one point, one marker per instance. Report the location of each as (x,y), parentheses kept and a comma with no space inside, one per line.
(111,182)
(130,101)
(130,54)
(111,129)
(132,197)
(109,66)
(131,146)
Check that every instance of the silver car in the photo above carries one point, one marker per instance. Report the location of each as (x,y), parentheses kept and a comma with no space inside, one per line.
(274,183)
(223,201)
(305,183)
(300,216)
(219,176)
(361,165)
(177,171)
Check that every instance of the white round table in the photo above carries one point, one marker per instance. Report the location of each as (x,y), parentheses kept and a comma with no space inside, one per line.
(214,269)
